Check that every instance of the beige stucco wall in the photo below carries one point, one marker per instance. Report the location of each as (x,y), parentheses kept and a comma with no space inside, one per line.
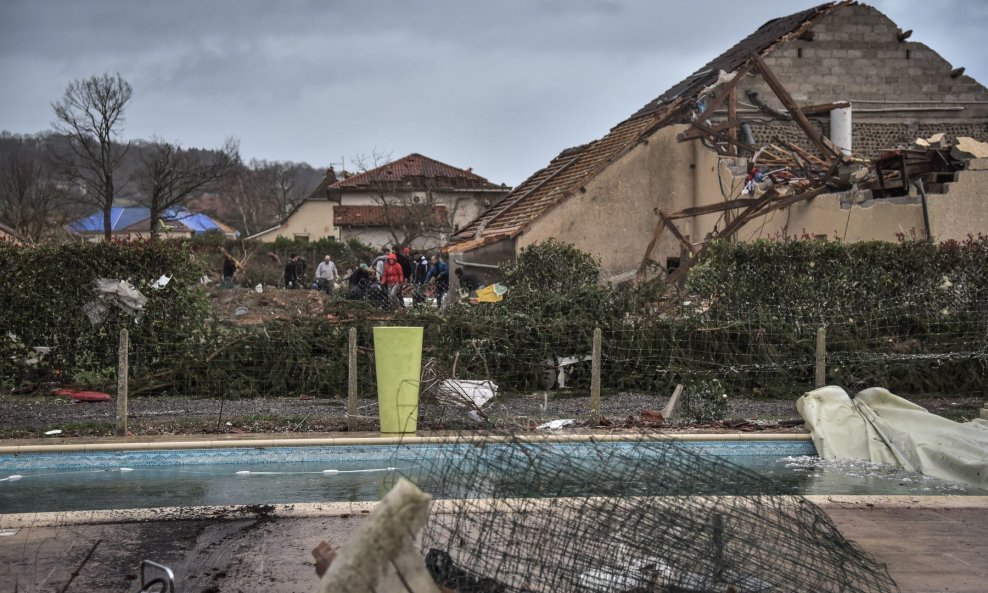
(963,209)
(614,218)
(313,218)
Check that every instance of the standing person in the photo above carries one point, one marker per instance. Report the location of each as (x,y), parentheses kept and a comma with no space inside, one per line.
(326,274)
(440,272)
(393,279)
(379,262)
(419,271)
(291,272)
(229,270)
(405,261)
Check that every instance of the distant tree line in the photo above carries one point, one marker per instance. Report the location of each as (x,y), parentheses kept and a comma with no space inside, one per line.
(83,164)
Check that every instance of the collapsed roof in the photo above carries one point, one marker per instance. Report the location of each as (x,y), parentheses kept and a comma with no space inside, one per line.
(573,167)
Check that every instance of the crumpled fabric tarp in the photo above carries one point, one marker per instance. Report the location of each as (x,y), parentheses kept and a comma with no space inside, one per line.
(116,292)
(882,427)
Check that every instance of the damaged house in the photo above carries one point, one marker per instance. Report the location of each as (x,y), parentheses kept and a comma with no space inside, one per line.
(414,201)
(828,123)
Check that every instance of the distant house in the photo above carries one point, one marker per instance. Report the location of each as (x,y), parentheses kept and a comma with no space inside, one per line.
(135,223)
(686,152)
(414,201)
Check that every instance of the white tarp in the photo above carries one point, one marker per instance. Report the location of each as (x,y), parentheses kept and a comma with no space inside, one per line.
(881,427)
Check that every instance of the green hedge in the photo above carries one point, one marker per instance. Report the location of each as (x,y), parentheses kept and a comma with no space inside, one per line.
(912,317)
(43,291)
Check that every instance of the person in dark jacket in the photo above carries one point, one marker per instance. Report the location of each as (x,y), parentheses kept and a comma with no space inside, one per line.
(468,280)
(291,272)
(405,261)
(419,271)
(440,273)
(229,270)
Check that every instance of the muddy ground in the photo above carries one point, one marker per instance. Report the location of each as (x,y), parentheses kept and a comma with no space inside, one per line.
(924,549)
(25,417)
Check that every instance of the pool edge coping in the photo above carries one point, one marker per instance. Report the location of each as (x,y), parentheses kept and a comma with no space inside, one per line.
(363,508)
(152,445)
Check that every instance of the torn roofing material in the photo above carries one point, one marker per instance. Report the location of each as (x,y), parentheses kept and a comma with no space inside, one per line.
(574,167)
(758,43)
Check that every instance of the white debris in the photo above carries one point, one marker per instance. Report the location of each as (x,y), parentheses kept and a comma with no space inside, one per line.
(477,393)
(161,282)
(259,288)
(555,424)
(53,432)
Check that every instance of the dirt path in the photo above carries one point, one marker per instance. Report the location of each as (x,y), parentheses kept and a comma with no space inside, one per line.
(25,417)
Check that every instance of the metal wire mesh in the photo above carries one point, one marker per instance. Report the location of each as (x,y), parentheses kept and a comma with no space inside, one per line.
(519,515)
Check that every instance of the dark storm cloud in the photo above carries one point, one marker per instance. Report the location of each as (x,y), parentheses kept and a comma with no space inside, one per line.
(499,86)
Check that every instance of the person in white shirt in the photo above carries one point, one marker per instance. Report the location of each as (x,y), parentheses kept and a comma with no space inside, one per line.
(326,274)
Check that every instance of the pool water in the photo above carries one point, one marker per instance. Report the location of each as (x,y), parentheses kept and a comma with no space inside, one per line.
(51,482)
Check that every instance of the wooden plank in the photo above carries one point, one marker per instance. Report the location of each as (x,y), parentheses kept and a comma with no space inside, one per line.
(810,158)
(713,208)
(656,235)
(824,107)
(675,231)
(780,91)
(699,131)
(732,115)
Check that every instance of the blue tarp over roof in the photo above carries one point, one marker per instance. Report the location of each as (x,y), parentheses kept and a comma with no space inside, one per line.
(120,218)
(123,218)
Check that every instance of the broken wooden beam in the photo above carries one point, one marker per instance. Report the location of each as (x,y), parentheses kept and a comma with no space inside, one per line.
(713,208)
(650,249)
(824,107)
(783,95)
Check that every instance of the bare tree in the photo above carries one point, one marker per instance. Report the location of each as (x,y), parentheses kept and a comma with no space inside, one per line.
(409,208)
(413,214)
(242,191)
(278,185)
(168,176)
(91,115)
(30,198)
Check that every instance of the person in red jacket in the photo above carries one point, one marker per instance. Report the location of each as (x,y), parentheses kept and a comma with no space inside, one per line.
(393,279)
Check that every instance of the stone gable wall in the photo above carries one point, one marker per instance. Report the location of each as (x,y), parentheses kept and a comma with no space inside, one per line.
(855,56)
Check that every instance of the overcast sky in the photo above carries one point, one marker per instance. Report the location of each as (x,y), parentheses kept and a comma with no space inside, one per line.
(498,85)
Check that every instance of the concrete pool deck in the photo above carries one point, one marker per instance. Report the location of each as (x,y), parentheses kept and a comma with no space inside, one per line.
(212,441)
(928,543)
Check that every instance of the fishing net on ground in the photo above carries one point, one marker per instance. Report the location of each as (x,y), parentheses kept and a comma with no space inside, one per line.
(517,515)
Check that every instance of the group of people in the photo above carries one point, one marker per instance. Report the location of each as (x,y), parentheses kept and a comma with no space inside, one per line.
(385,280)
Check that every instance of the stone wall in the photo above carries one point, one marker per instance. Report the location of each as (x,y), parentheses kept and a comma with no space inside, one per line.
(855,56)
(870,138)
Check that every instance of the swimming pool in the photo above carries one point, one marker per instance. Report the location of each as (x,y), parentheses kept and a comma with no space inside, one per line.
(47,482)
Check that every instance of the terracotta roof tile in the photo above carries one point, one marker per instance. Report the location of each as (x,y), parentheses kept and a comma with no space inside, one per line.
(370,216)
(416,172)
(574,167)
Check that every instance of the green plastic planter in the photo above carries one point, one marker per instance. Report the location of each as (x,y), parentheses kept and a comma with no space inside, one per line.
(398,358)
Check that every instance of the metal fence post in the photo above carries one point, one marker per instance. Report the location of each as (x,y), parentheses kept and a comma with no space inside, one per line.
(821,357)
(595,379)
(351,398)
(123,371)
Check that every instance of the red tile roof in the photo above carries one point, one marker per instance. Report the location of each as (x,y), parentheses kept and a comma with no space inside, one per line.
(574,167)
(371,216)
(416,172)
